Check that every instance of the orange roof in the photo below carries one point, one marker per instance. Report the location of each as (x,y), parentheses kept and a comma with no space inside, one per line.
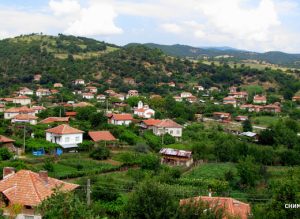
(28,188)
(122,116)
(151,122)
(229,98)
(71,113)
(221,113)
(168,123)
(101,136)
(54,119)
(4,139)
(25,117)
(23,109)
(38,108)
(232,207)
(21,97)
(261,98)
(64,129)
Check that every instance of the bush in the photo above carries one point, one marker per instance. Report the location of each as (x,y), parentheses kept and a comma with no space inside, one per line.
(48,165)
(5,154)
(85,146)
(150,162)
(100,153)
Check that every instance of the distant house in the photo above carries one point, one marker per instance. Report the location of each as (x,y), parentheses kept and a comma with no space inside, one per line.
(177,98)
(25,118)
(143,111)
(259,99)
(251,135)
(2,108)
(232,207)
(192,99)
(71,114)
(272,108)
(198,88)
(22,100)
(110,92)
(171,84)
(129,81)
(64,135)
(241,118)
(88,96)
(37,77)
(79,82)
(120,119)
(252,108)
(185,94)
(221,116)
(132,93)
(12,112)
(176,157)
(25,91)
(6,142)
(38,109)
(92,89)
(27,190)
(233,89)
(81,104)
(54,91)
(120,97)
(296,98)
(240,96)
(102,136)
(149,123)
(230,101)
(55,119)
(58,85)
(101,98)
(168,126)
(42,92)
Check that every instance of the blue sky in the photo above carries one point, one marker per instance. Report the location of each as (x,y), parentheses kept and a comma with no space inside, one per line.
(258,25)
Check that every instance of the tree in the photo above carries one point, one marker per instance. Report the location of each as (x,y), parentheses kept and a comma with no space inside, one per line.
(5,154)
(100,153)
(64,205)
(151,200)
(248,171)
(247,126)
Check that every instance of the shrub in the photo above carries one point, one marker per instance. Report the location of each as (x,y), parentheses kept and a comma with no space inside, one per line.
(100,153)
(5,154)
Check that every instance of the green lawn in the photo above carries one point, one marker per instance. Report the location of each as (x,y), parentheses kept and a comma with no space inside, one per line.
(264,120)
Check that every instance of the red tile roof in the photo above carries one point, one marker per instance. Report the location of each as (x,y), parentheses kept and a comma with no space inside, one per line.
(4,139)
(23,109)
(25,117)
(232,207)
(122,117)
(54,119)
(71,113)
(64,129)
(151,122)
(21,97)
(28,188)
(101,136)
(168,123)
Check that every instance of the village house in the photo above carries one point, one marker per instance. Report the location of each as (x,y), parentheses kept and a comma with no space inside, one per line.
(42,92)
(54,91)
(241,96)
(57,85)
(232,207)
(296,98)
(64,135)
(110,92)
(55,120)
(102,136)
(25,118)
(88,96)
(230,101)
(168,126)
(120,119)
(101,98)
(252,108)
(251,135)
(129,81)
(38,109)
(259,99)
(79,82)
(132,93)
(192,99)
(22,100)
(28,189)
(221,116)
(2,108)
(6,100)
(241,118)
(185,94)
(177,98)
(120,97)
(82,104)
(71,114)
(25,91)
(12,112)
(92,89)
(143,111)
(149,123)
(232,89)
(272,108)
(37,77)
(176,157)
(198,88)
(171,84)
(8,143)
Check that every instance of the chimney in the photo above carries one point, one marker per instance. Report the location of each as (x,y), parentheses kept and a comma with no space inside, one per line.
(44,175)
(7,171)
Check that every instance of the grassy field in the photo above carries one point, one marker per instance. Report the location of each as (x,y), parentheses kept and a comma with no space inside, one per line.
(264,120)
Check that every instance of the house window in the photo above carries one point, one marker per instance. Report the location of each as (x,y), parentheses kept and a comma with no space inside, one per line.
(77,138)
(178,132)
(67,139)
(171,132)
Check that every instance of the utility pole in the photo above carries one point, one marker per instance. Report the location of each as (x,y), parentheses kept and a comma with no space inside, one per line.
(24,137)
(88,192)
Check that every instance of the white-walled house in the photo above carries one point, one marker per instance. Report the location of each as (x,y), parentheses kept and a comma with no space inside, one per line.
(25,91)
(25,118)
(168,126)
(79,81)
(23,100)
(88,96)
(64,135)
(185,94)
(12,112)
(120,119)
(42,92)
(143,111)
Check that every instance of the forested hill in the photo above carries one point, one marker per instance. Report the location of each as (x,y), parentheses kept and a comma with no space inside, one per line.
(66,58)
(273,57)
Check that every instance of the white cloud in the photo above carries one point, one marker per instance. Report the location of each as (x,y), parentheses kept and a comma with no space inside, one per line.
(64,7)
(171,28)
